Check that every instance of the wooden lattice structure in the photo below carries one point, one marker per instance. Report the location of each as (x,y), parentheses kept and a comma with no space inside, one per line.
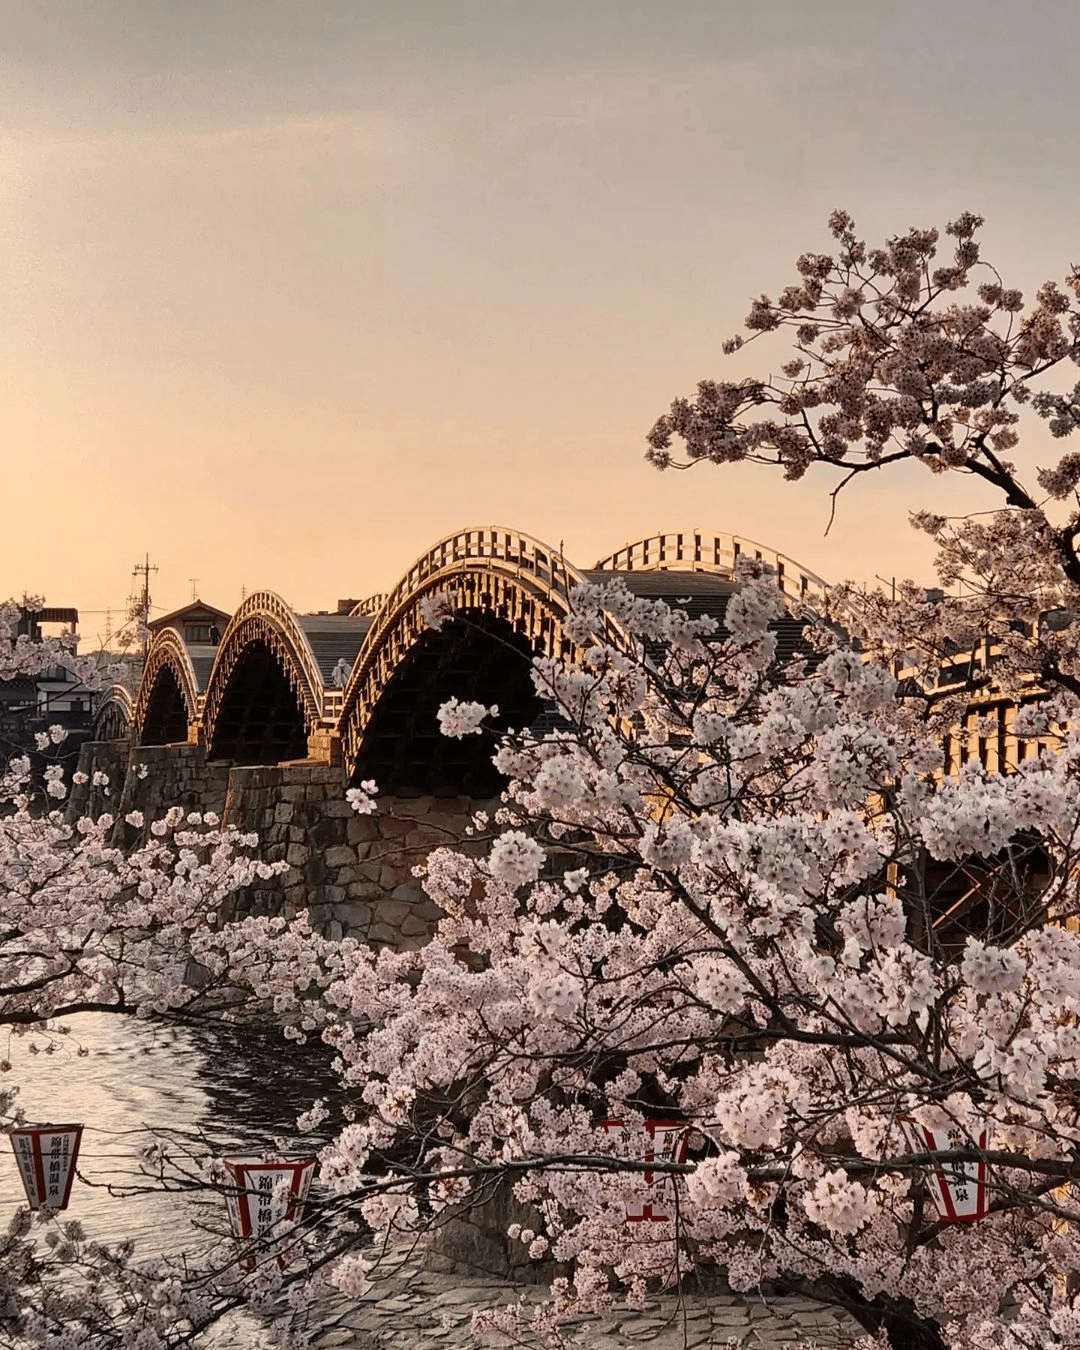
(994,897)
(369,607)
(500,571)
(115,715)
(702,551)
(264,621)
(167,673)
(288,668)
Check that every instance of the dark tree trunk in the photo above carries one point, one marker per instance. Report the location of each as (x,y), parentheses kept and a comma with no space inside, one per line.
(904,1327)
(906,1331)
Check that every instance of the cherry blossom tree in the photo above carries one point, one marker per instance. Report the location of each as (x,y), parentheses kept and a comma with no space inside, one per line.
(896,360)
(88,926)
(723,895)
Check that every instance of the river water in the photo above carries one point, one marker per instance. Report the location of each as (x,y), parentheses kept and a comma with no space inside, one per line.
(215,1091)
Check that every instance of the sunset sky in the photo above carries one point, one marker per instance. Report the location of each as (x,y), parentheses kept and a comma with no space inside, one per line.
(291,288)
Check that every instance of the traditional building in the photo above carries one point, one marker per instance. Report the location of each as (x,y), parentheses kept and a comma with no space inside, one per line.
(53,697)
(199,624)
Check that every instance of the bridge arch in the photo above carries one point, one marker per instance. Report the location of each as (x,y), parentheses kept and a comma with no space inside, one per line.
(169,701)
(115,716)
(508,597)
(265,694)
(370,607)
(698,570)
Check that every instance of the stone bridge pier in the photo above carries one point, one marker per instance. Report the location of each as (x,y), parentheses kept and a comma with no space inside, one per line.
(107,762)
(352,873)
(145,778)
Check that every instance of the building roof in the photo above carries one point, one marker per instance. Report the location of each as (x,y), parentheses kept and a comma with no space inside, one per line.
(198,611)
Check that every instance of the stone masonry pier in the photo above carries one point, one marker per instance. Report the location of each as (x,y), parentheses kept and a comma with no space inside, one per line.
(352,873)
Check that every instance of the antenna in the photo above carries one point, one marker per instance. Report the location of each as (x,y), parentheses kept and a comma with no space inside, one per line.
(193,580)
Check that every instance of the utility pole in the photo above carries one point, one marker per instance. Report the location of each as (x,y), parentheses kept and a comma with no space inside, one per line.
(142,601)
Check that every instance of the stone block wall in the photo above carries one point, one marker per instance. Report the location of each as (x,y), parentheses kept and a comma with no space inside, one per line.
(176,775)
(352,873)
(471,1239)
(87,799)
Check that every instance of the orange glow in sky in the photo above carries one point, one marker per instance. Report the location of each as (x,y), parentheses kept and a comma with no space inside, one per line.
(294,287)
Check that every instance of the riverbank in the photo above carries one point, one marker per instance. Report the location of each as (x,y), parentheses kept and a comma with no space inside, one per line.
(417,1309)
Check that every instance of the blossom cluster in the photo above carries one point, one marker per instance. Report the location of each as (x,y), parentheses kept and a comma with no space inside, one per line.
(89,926)
(709,898)
(892,360)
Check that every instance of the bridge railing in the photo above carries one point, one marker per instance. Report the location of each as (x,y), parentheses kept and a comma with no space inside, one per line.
(370,606)
(117,697)
(528,556)
(497,557)
(168,648)
(698,550)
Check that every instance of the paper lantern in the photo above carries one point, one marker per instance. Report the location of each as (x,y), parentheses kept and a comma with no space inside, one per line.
(664,1139)
(46,1156)
(958,1189)
(264,1198)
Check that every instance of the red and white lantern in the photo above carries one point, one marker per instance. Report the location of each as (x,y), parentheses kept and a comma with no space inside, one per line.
(46,1157)
(264,1198)
(666,1140)
(958,1189)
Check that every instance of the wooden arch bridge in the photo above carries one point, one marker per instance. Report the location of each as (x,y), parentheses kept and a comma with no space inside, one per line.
(361,688)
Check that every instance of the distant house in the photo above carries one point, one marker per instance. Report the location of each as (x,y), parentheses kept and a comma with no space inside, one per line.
(199,624)
(18,709)
(53,697)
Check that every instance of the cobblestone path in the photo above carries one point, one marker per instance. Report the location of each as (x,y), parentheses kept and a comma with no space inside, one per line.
(419,1310)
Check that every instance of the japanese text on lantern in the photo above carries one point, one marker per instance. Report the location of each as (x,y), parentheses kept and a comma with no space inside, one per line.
(46,1157)
(268,1198)
(666,1139)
